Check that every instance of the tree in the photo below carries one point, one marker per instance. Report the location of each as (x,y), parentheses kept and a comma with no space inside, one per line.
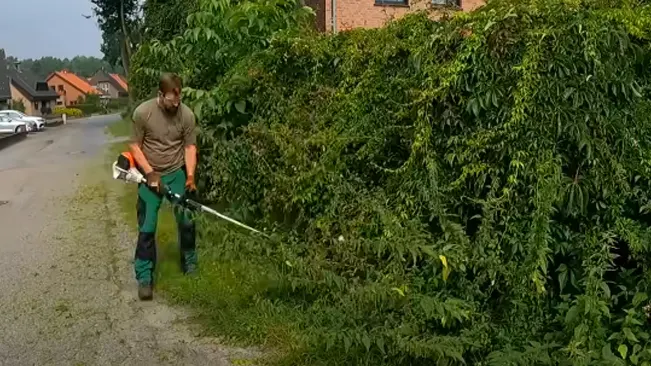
(120,23)
(165,19)
(84,66)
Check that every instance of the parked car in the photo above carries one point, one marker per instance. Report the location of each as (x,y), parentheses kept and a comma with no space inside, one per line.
(33,123)
(7,125)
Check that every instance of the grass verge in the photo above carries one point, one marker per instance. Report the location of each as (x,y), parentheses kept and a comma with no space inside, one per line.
(229,294)
(121,128)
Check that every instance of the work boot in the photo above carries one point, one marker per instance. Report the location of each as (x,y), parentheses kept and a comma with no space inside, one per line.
(145,292)
(190,269)
(189,262)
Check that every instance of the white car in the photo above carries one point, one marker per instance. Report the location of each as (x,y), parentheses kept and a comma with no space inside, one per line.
(33,123)
(9,126)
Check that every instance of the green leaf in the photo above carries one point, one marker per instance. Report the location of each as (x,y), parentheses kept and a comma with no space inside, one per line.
(347,342)
(629,335)
(623,350)
(639,298)
(635,92)
(572,314)
(241,106)
(380,344)
(562,276)
(606,289)
(366,342)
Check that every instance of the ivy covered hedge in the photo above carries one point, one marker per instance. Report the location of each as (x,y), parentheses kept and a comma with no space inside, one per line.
(474,190)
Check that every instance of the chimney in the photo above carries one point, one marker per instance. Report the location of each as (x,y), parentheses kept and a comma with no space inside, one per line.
(3,60)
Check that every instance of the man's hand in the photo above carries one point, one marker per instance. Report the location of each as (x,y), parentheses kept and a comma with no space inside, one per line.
(190,186)
(153,181)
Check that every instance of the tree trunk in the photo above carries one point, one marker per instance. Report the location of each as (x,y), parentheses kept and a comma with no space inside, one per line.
(125,48)
(126,55)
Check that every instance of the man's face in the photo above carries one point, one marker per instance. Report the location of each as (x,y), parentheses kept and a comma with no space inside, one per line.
(170,101)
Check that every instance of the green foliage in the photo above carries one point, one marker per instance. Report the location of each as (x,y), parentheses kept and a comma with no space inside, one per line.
(120,23)
(70,112)
(89,104)
(165,19)
(470,191)
(18,105)
(93,99)
(218,35)
(88,109)
(117,104)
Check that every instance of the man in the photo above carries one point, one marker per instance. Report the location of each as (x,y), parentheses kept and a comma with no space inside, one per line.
(164,149)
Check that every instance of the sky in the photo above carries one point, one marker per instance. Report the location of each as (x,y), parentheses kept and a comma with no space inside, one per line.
(37,28)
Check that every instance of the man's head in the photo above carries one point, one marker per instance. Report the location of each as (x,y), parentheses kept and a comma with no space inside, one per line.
(169,92)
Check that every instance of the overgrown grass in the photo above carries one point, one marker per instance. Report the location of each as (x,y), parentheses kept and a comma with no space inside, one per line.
(121,128)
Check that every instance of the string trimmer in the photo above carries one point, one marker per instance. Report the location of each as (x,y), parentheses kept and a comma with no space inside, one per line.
(124,169)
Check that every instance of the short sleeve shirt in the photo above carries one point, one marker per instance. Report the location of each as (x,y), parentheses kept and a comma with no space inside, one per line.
(163,137)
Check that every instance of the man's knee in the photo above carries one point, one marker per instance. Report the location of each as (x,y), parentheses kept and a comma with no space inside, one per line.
(147,213)
(146,247)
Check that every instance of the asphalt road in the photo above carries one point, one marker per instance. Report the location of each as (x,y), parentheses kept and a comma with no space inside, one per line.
(67,294)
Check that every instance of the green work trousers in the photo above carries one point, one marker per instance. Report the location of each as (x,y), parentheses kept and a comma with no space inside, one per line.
(147,207)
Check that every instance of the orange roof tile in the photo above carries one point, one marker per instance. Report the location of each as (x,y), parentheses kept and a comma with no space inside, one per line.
(75,81)
(121,81)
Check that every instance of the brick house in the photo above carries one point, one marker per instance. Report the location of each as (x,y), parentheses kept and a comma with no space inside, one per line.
(338,15)
(18,85)
(70,87)
(32,91)
(111,85)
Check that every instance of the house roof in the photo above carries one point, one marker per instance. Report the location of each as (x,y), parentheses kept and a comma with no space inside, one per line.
(5,91)
(120,79)
(29,84)
(116,80)
(74,81)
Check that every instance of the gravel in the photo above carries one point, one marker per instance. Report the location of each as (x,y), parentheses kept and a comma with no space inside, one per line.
(67,292)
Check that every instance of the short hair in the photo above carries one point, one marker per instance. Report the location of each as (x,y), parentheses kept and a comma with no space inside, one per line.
(169,82)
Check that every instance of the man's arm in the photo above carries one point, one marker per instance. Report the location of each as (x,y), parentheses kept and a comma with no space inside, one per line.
(191,159)
(137,137)
(190,142)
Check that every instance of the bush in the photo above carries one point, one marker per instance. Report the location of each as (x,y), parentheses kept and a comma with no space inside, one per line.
(88,109)
(18,105)
(117,104)
(470,191)
(70,112)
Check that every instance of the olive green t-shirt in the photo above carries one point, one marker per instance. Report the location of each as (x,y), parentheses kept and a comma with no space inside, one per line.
(163,137)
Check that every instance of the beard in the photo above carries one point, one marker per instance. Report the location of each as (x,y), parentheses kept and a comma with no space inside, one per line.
(171,110)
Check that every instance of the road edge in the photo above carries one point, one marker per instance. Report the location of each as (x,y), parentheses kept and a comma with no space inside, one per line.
(6,141)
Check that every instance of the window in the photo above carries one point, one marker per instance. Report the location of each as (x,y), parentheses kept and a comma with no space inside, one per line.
(35,106)
(392,2)
(447,2)
(60,87)
(41,86)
